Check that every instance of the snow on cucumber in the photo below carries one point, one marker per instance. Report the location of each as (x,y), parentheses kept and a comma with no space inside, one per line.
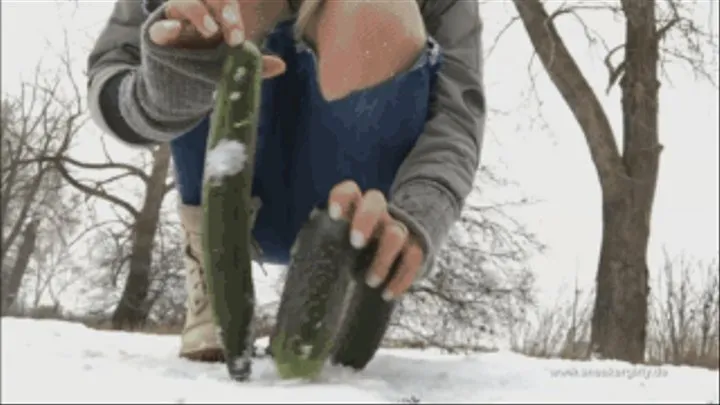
(227,158)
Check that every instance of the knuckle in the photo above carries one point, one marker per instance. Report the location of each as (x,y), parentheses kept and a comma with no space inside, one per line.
(346,188)
(395,236)
(414,254)
(375,195)
(399,230)
(196,9)
(374,201)
(381,267)
(182,7)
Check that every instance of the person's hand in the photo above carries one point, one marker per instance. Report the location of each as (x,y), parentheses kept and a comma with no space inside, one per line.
(203,24)
(369,218)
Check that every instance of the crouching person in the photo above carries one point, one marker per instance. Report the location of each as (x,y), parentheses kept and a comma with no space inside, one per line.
(372,109)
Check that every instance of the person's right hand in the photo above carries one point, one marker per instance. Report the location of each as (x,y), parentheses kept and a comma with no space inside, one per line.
(203,24)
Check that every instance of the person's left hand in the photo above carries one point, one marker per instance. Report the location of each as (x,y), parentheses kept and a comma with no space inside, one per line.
(368,213)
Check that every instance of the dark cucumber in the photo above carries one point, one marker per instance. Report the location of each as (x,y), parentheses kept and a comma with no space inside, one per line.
(311,305)
(318,295)
(228,206)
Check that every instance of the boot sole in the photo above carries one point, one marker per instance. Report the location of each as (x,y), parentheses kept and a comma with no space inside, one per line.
(205,355)
(217,355)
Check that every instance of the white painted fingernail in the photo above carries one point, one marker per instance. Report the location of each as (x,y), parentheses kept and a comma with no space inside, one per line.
(210,24)
(229,14)
(373,281)
(335,211)
(237,37)
(169,25)
(357,240)
(387,295)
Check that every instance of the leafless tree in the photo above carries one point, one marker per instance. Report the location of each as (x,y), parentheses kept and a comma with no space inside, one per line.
(43,118)
(139,214)
(481,284)
(684,318)
(627,176)
(140,220)
(683,327)
(165,298)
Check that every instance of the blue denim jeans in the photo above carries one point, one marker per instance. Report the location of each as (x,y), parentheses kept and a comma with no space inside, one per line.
(307,145)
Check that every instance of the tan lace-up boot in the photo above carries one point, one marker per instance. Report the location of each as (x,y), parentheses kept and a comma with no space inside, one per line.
(200,339)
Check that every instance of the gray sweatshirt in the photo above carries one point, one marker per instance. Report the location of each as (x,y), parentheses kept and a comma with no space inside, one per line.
(144,94)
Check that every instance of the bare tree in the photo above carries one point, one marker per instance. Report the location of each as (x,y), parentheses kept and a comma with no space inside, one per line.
(140,224)
(481,284)
(140,218)
(683,327)
(165,298)
(42,119)
(627,178)
(12,286)
(684,323)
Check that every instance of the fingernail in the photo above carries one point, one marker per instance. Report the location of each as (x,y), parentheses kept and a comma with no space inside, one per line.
(387,295)
(373,280)
(210,24)
(169,25)
(237,37)
(230,14)
(335,211)
(357,240)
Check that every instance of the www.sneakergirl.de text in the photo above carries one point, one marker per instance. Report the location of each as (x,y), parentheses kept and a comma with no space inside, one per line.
(609,372)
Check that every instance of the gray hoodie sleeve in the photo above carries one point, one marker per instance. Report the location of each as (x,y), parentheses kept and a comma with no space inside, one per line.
(437,176)
(143,93)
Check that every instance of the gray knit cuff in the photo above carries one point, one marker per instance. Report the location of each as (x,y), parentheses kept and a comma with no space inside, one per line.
(429,211)
(172,89)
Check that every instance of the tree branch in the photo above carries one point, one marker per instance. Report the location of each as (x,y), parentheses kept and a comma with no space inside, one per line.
(575,90)
(94,192)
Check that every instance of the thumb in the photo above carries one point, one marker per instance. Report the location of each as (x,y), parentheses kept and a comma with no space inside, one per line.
(272,66)
(165,32)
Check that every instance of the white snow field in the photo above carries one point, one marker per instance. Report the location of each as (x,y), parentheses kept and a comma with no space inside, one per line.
(60,362)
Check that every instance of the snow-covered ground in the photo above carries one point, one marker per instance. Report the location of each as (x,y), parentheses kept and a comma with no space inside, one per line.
(60,362)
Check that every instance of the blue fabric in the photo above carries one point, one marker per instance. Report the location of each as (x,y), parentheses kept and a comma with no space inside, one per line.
(307,145)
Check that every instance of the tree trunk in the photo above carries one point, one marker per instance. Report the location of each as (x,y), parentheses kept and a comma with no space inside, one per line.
(25,250)
(627,181)
(25,207)
(620,314)
(133,309)
(620,317)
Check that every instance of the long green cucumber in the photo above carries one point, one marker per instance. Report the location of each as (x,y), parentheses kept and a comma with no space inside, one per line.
(318,289)
(228,205)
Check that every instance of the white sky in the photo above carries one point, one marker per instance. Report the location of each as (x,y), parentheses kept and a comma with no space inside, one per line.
(551,164)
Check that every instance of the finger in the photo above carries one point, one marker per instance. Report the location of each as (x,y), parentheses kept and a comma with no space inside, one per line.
(343,199)
(392,240)
(165,32)
(367,218)
(196,13)
(227,12)
(412,258)
(272,66)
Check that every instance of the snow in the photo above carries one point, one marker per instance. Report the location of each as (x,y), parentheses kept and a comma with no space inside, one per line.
(239,74)
(227,158)
(60,362)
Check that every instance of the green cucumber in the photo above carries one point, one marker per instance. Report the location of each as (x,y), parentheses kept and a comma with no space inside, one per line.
(314,297)
(326,309)
(228,205)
